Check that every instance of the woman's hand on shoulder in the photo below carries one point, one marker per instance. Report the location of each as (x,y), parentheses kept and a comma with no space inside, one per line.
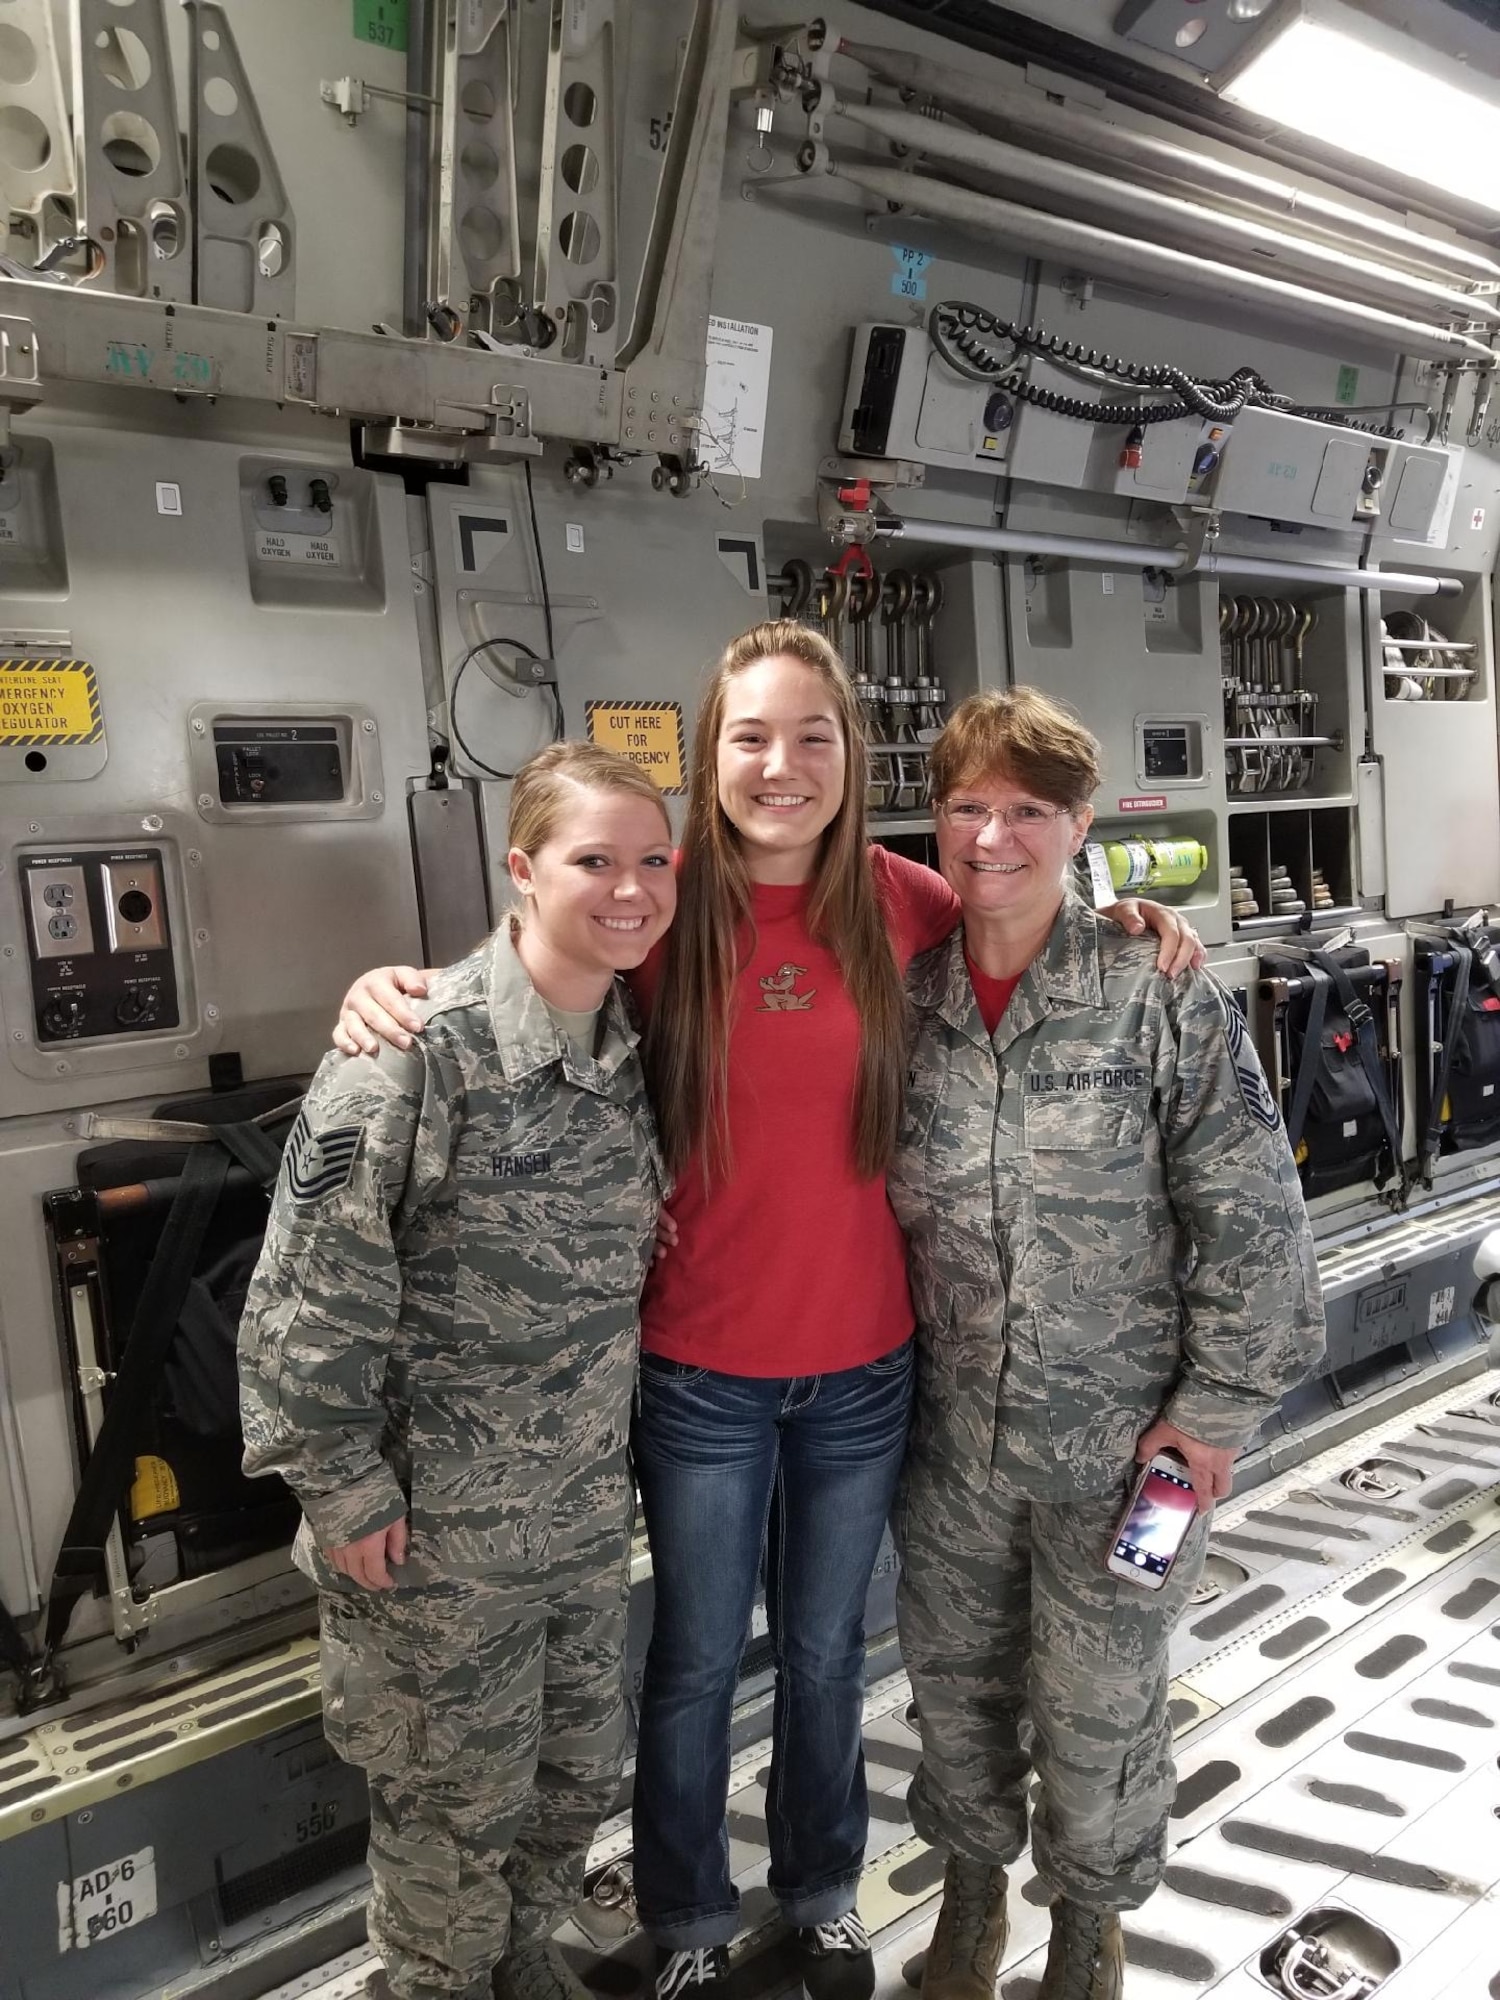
(365,1562)
(1181,947)
(376,1010)
(666,1234)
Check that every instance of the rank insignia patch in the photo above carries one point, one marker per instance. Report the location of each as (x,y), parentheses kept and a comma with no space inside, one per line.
(1254,1089)
(320,1163)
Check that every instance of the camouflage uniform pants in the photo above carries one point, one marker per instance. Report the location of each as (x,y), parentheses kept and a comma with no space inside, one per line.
(1026,1655)
(493,1735)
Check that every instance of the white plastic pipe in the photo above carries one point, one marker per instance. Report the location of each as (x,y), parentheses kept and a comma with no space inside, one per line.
(1057,238)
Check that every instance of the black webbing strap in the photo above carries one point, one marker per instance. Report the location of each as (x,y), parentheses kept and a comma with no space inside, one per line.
(1362,1020)
(1312,1056)
(1432,1137)
(80,1559)
(13,1653)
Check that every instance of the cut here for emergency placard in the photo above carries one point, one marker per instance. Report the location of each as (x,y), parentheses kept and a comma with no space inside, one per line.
(649,733)
(48,701)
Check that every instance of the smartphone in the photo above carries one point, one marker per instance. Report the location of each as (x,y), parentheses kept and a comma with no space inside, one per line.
(1155,1524)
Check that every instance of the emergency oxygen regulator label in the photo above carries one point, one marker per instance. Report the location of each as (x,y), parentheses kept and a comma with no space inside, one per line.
(315,551)
(114,1897)
(48,702)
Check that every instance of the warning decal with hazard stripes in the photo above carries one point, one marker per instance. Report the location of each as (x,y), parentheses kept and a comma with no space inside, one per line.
(48,702)
(649,733)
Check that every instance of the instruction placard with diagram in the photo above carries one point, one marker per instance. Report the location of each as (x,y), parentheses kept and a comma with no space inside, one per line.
(736,390)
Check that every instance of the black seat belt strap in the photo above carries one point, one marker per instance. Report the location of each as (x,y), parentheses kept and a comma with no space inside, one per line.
(1432,1137)
(1312,1056)
(152,1331)
(1362,1020)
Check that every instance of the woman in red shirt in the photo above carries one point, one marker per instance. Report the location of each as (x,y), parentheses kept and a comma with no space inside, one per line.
(776,1370)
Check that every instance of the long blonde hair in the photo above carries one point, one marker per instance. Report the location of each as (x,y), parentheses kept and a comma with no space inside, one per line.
(687,1042)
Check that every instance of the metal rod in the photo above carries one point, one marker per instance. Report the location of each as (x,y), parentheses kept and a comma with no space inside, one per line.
(1022,542)
(1431,673)
(1184,219)
(418,192)
(1428,645)
(1057,238)
(1283,742)
(1094,134)
(1138,555)
(1410,583)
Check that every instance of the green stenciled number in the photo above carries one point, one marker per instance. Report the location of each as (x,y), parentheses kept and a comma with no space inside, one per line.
(382,22)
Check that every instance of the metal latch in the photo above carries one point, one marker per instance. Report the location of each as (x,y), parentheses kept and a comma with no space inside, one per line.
(1309,1970)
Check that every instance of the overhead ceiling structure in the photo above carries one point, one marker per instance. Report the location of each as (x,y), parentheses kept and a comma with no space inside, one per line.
(1229,68)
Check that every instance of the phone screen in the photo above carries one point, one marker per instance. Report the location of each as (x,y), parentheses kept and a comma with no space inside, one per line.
(1157,1525)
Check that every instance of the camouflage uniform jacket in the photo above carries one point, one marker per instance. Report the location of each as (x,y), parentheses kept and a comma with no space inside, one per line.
(1104,1217)
(444,1317)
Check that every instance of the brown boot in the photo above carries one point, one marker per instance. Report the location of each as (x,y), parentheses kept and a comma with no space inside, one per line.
(1086,1958)
(968,1944)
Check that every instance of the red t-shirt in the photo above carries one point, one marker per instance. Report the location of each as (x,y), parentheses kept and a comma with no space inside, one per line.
(993,995)
(794,1265)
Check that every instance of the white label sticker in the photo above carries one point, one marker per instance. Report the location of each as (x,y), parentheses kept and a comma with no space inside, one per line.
(316,550)
(1476,519)
(1440,1308)
(1107,582)
(736,391)
(1101,882)
(575,537)
(113,1897)
(168,498)
(1351,1128)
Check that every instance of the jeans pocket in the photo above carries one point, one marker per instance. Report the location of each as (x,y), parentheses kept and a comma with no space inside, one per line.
(898,1362)
(661,1368)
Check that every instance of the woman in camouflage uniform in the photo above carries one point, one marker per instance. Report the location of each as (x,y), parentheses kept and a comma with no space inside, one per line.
(438,1354)
(1109,1257)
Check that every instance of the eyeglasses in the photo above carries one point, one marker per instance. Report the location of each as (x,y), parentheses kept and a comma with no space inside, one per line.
(972,817)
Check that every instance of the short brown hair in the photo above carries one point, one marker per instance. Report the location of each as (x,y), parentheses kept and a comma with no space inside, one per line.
(1021,734)
(540,794)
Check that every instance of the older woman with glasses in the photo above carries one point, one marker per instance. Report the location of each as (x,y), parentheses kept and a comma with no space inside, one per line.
(1109,1259)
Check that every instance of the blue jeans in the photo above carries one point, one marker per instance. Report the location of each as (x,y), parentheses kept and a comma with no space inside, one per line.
(801,1469)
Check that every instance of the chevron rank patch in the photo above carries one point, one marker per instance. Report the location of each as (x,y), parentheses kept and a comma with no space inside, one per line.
(318,1164)
(1254,1089)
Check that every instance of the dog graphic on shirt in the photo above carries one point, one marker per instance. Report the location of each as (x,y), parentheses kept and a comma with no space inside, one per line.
(776,994)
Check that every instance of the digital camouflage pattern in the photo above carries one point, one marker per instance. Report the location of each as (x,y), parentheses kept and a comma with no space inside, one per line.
(1106,1227)
(443,1325)
(1026,1655)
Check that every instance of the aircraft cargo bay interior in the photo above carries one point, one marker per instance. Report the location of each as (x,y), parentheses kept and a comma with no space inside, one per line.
(749,1000)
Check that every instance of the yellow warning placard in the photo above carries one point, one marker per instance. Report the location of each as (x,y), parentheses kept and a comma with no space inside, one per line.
(48,701)
(649,733)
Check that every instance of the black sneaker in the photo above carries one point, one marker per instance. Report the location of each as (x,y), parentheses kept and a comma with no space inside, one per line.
(837,1963)
(685,1975)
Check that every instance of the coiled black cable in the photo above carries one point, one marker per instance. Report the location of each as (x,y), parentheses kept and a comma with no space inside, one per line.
(965,335)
